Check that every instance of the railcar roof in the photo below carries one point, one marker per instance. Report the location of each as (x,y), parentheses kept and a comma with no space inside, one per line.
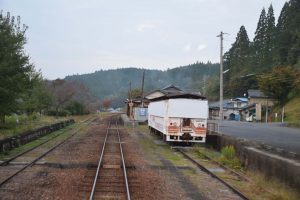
(179,96)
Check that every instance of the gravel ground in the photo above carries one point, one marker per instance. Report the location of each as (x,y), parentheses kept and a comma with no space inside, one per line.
(194,183)
(67,172)
(145,181)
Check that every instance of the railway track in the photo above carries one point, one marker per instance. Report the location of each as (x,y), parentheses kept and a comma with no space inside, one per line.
(204,169)
(110,180)
(32,162)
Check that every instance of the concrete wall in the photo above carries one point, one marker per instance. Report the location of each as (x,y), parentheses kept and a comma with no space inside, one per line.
(256,157)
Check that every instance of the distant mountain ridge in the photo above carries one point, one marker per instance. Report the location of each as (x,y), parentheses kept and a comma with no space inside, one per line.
(114,83)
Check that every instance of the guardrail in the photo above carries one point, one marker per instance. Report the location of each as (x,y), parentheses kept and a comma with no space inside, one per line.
(28,136)
(212,128)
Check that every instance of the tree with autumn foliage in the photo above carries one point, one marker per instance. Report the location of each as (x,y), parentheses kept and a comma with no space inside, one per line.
(106,103)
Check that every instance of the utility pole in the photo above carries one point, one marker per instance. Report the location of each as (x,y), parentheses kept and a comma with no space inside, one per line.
(267,112)
(130,102)
(142,92)
(221,76)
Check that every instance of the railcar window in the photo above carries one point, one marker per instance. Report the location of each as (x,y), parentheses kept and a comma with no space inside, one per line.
(186,122)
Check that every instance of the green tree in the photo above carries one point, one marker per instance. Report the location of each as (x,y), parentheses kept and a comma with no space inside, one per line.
(279,83)
(14,64)
(76,108)
(259,41)
(212,90)
(37,97)
(135,93)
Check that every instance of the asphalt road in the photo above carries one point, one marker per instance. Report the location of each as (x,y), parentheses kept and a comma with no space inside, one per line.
(270,134)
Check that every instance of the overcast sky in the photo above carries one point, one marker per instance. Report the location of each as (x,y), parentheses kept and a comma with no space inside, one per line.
(67,37)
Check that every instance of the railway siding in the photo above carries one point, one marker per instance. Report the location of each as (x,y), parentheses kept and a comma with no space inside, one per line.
(262,159)
(195,183)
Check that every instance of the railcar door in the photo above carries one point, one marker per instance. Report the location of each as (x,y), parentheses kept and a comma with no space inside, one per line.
(186,125)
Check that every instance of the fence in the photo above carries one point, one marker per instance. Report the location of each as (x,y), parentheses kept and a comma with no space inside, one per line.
(28,136)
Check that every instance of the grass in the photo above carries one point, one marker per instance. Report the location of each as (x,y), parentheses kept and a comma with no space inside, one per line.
(276,190)
(11,153)
(12,128)
(292,112)
(60,134)
(162,149)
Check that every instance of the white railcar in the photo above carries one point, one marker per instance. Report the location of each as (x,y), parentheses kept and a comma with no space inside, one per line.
(179,119)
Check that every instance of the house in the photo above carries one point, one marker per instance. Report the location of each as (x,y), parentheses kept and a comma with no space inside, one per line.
(259,105)
(231,108)
(172,91)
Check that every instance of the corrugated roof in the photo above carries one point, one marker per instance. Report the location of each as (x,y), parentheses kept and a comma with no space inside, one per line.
(241,99)
(256,93)
(171,88)
(216,104)
(172,91)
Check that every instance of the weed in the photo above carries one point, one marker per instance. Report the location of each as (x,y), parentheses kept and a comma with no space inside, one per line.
(229,158)
(228,152)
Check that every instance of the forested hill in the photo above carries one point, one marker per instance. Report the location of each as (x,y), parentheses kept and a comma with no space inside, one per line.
(114,84)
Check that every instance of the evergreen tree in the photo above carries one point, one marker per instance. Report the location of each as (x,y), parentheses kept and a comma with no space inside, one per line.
(238,60)
(259,40)
(294,29)
(282,37)
(240,53)
(269,39)
(288,35)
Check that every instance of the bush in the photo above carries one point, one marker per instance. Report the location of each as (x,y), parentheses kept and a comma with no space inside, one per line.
(61,113)
(33,116)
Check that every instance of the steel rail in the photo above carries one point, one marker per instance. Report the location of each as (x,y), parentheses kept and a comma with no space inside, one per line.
(99,164)
(100,161)
(124,166)
(233,189)
(39,157)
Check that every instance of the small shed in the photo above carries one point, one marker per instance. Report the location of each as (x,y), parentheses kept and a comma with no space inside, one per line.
(136,109)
